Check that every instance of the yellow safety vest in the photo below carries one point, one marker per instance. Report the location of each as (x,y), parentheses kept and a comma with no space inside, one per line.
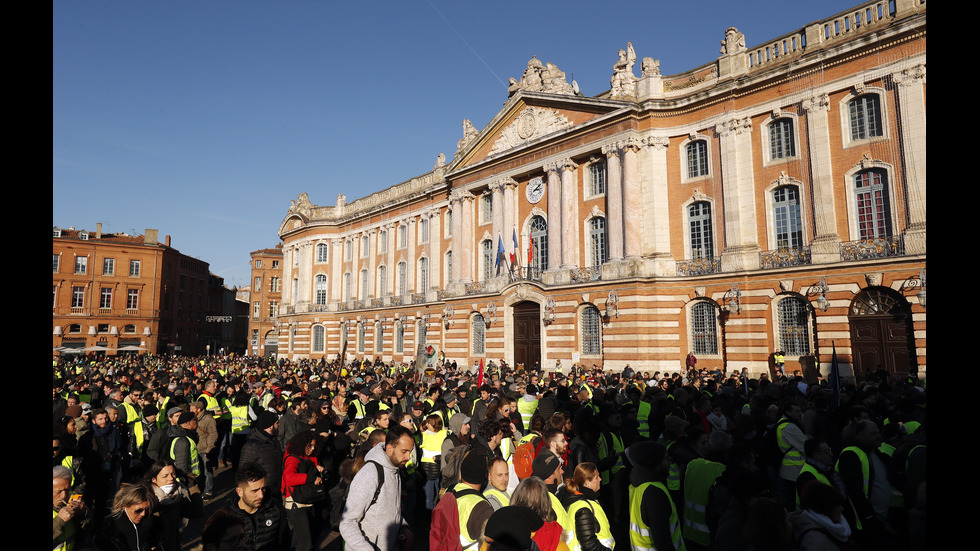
(210,403)
(865,475)
(66,542)
(239,418)
(359,407)
(567,523)
(502,497)
(162,420)
(641,537)
(466,504)
(608,449)
(526,409)
(604,534)
(701,474)
(432,445)
(195,464)
(792,457)
(808,468)
(643,418)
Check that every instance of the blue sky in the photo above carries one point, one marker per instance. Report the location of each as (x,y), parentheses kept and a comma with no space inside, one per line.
(203,119)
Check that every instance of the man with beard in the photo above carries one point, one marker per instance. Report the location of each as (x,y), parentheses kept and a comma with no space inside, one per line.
(266,526)
(263,447)
(102,451)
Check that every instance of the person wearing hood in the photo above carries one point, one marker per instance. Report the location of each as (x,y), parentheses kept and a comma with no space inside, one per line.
(654,523)
(370,524)
(820,525)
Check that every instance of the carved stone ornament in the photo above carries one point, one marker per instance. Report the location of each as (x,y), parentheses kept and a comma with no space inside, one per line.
(532,123)
(623,82)
(469,134)
(867,162)
(440,161)
(873,279)
(783,179)
(698,195)
(302,205)
(786,285)
(819,102)
(650,67)
(522,291)
(911,76)
(733,43)
(699,292)
(540,77)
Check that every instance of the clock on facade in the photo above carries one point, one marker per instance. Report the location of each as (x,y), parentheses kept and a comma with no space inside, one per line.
(535,190)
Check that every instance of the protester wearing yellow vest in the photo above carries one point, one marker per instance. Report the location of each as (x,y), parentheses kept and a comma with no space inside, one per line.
(183,448)
(592,528)
(653,522)
(66,514)
(498,479)
(699,477)
(432,438)
(474,509)
(865,477)
(790,438)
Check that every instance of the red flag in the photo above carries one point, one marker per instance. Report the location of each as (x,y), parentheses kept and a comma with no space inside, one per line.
(530,253)
(479,379)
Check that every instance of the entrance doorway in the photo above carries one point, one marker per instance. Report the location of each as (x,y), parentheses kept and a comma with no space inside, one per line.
(881,332)
(527,334)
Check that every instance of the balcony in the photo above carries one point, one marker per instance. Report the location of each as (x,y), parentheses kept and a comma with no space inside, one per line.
(584,275)
(476,288)
(699,266)
(418,298)
(784,258)
(866,249)
(529,273)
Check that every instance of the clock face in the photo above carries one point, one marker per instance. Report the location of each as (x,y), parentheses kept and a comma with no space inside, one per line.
(535,190)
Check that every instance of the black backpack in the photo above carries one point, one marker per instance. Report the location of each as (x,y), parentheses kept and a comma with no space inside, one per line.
(308,493)
(451,465)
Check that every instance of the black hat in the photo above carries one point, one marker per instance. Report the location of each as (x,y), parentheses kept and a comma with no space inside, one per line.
(646,454)
(473,469)
(545,465)
(148,410)
(512,526)
(265,420)
(185,417)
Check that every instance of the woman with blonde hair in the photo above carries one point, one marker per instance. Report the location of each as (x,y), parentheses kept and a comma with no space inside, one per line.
(131,525)
(592,528)
(533,494)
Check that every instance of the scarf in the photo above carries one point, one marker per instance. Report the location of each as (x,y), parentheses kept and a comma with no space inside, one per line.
(839,531)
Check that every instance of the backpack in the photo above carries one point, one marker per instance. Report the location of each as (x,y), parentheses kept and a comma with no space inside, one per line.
(307,493)
(377,492)
(451,464)
(524,457)
(444,531)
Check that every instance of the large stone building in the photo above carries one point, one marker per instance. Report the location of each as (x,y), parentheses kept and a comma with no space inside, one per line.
(117,293)
(264,299)
(771,199)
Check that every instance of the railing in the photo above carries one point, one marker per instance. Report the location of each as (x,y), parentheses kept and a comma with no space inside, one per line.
(476,288)
(418,298)
(377,303)
(879,247)
(319,308)
(396,300)
(529,273)
(783,258)
(699,266)
(589,273)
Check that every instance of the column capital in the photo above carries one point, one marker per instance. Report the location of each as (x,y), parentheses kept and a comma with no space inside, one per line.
(817,103)
(910,77)
(736,125)
(561,165)
(631,143)
(459,195)
(610,149)
(659,143)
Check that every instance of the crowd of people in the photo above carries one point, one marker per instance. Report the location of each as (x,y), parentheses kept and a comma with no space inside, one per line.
(373,455)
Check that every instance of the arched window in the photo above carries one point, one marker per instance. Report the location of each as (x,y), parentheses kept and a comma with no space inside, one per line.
(478,335)
(347,287)
(318,338)
(402,279)
(399,337)
(423,275)
(382,281)
(383,241)
(864,117)
(591,325)
(361,334)
(348,250)
(539,245)
(699,219)
(704,334)
(364,283)
(781,144)
(423,230)
(365,246)
(321,289)
(697,159)
(486,249)
(597,241)
(378,339)
(786,213)
(322,252)
(597,178)
(873,211)
(794,334)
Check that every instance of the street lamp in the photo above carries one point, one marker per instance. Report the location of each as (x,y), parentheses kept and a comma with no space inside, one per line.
(913,282)
(820,289)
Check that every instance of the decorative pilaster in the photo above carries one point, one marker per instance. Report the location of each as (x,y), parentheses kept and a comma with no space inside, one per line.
(336,269)
(631,199)
(569,219)
(741,244)
(614,201)
(910,84)
(435,250)
(825,245)
(497,200)
(554,217)
(657,214)
(510,208)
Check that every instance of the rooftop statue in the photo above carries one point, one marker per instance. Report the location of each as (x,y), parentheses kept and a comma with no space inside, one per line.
(623,82)
(539,77)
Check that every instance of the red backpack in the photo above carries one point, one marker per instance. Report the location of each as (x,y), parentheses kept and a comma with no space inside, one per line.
(444,531)
(524,456)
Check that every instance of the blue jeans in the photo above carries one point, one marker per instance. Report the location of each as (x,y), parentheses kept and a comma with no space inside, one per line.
(431,490)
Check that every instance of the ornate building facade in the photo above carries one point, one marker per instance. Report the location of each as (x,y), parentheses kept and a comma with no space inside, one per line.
(772,199)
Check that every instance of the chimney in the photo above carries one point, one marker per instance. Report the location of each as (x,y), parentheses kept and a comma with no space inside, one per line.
(150,237)
(168,240)
(98,230)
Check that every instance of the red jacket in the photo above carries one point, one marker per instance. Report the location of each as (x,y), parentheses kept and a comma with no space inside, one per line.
(291,477)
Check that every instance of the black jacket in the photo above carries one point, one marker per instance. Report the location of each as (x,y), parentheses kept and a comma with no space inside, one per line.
(119,534)
(267,528)
(586,523)
(265,450)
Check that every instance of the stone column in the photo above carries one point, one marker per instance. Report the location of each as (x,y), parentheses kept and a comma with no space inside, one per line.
(435,248)
(614,201)
(825,245)
(569,215)
(657,214)
(741,243)
(287,271)
(912,108)
(372,263)
(305,271)
(632,207)
(510,211)
(468,228)
(411,269)
(497,200)
(336,281)
(554,217)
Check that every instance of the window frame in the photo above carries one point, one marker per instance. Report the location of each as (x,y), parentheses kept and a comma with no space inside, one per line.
(322,253)
(478,335)
(105,297)
(81,265)
(697,157)
(132,299)
(486,209)
(539,243)
(135,267)
(703,220)
(848,138)
(771,135)
(108,266)
(794,341)
(590,330)
(318,339)
(597,189)
(320,289)
(486,259)
(702,326)
(598,241)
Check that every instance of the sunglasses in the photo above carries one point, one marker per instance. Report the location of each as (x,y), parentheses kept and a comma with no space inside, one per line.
(139,511)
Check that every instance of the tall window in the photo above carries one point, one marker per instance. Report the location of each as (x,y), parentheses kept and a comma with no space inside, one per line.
(794,337)
(383,241)
(399,337)
(786,212)
(704,336)
(273,309)
(275,264)
(699,219)
(486,208)
(382,281)
(597,178)
(591,331)
(105,298)
(134,268)
(697,159)
(597,241)
(864,116)
(378,341)
(364,283)
(132,299)
(781,139)
(365,246)
(81,264)
(347,283)
(348,250)
(449,266)
(57,261)
(319,338)
(108,266)
(343,337)
(420,331)
(449,222)
(479,335)
(402,279)
(402,236)
(423,275)
(320,289)
(77,297)
(322,252)
(871,194)
(274,284)
(486,254)
(258,284)
(256,309)
(539,245)
(361,335)
(423,230)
